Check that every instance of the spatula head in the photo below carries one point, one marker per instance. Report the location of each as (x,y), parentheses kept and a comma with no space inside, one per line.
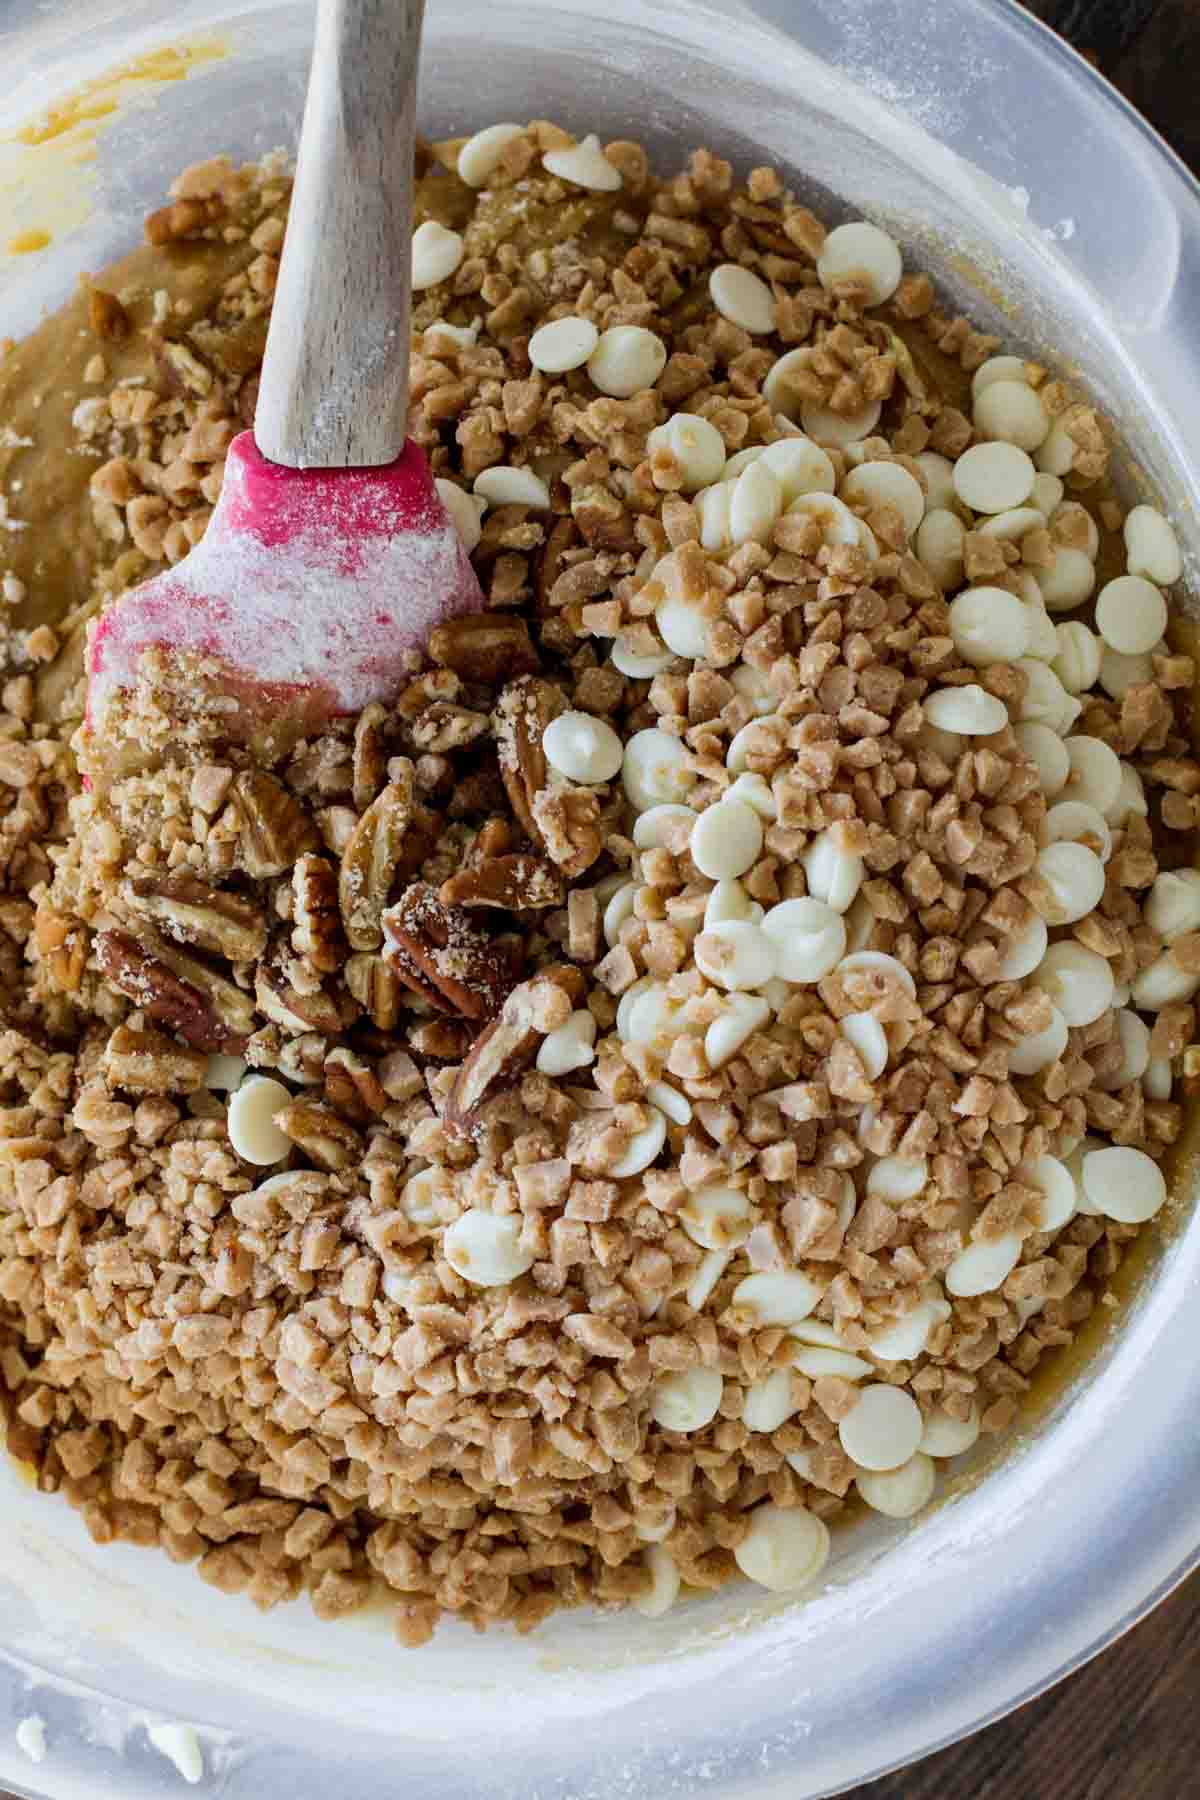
(307,597)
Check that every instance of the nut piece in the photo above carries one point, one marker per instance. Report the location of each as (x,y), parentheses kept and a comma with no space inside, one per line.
(208,1012)
(275,829)
(390,842)
(317,933)
(106,315)
(515,883)
(192,912)
(484,647)
(277,999)
(324,1137)
(352,1086)
(148,1062)
(522,713)
(507,1046)
(377,988)
(438,953)
(62,943)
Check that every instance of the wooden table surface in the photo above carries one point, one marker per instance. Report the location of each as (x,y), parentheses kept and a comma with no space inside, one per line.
(1126,1727)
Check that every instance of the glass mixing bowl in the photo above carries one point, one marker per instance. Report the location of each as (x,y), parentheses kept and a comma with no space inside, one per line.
(1045,205)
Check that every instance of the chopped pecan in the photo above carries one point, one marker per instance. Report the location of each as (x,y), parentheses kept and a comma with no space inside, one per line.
(317,933)
(275,828)
(486,647)
(62,943)
(207,1011)
(523,711)
(517,883)
(277,999)
(106,315)
(438,953)
(193,912)
(352,1086)
(326,1139)
(390,842)
(505,1047)
(148,1062)
(370,755)
(376,987)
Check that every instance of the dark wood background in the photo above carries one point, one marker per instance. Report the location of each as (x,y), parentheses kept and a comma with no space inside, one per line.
(1127,1727)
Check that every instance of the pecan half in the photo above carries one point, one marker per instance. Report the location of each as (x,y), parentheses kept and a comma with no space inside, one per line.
(149,1062)
(438,953)
(352,1086)
(390,841)
(377,988)
(523,711)
(275,828)
(277,999)
(507,1046)
(192,912)
(485,647)
(326,1139)
(207,1011)
(317,934)
(516,883)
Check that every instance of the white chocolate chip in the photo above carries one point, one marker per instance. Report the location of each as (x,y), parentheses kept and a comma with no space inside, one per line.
(1158,1079)
(944,1435)
(1057,1187)
(485,1249)
(741,1017)
(586,165)
(1023,951)
(735,954)
(639,668)
(503,485)
(743,298)
(784,1549)
(1011,526)
(906,1339)
(669,1101)
(482,154)
(1119,673)
(862,252)
(1056,452)
(997,368)
(1077,660)
(626,360)
(1074,876)
(1151,547)
(696,445)
(659,826)
(816,1361)
(1046,493)
(571,1046)
(1095,776)
(808,939)
(617,910)
(700,1288)
(1011,411)
(867,1037)
(991,478)
(712,509)
(726,840)
(882,1428)
(1074,821)
(753,790)
(988,625)
(582,747)
(1133,1035)
(1126,1185)
(874,484)
(939,546)
(642,1147)
(1068,581)
(983,1267)
(898,1178)
(777,1297)
(251,1120)
(834,874)
(1077,980)
(655,768)
(686,1400)
(800,466)
(839,429)
(755,505)
(939,480)
(436,253)
(970,710)
(1037,1051)
(716,1217)
(1046,750)
(1173,906)
(889,966)
(899,1493)
(769,1402)
(1131,615)
(838,524)
(466,511)
(562,345)
(1045,700)
(1164,983)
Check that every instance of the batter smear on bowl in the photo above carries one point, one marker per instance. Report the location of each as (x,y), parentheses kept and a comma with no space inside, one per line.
(680,1063)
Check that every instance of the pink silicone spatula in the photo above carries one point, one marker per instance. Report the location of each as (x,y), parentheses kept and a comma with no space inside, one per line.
(329,557)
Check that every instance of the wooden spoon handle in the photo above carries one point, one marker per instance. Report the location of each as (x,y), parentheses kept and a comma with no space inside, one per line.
(334,392)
